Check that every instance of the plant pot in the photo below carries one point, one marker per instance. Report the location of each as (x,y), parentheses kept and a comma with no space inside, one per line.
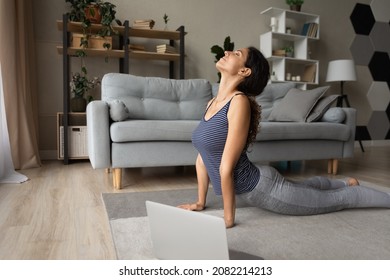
(78,104)
(92,13)
(295,8)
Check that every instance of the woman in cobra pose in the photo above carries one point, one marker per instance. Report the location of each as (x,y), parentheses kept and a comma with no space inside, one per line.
(223,136)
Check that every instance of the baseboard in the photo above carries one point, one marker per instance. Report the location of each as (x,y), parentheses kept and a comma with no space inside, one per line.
(373,143)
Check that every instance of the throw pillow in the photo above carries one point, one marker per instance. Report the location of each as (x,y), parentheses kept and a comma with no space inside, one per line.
(272,95)
(321,107)
(296,105)
(334,115)
(118,110)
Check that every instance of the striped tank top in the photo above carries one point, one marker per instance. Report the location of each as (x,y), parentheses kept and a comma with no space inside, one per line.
(209,139)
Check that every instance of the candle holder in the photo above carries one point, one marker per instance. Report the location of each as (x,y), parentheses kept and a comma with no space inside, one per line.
(274,24)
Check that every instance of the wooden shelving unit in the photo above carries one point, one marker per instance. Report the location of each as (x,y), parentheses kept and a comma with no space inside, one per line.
(271,41)
(123,53)
(172,36)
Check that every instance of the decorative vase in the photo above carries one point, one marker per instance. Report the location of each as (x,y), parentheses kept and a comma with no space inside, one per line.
(78,104)
(295,8)
(92,12)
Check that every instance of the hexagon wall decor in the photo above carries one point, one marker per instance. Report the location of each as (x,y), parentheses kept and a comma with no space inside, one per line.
(379,96)
(379,66)
(371,48)
(362,19)
(362,49)
(380,36)
(381,10)
(379,125)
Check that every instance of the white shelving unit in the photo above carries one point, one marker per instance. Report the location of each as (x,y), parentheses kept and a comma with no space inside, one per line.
(304,29)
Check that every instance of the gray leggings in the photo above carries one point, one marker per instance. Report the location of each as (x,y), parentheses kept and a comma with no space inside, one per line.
(315,195)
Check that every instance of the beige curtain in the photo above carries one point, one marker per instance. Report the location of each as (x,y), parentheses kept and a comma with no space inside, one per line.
(17,55)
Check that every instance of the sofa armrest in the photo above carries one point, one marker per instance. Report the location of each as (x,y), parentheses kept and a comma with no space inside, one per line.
(350,121)
(98,128)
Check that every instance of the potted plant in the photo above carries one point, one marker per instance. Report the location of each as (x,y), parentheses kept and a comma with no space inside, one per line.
(166,19)
(79,86)
(295,5)
(220,52)
(289,50)
(88,12)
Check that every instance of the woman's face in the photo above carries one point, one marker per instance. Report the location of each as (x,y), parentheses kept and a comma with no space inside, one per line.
(233,61)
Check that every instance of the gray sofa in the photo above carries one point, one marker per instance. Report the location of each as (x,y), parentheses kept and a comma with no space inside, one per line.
(145,122)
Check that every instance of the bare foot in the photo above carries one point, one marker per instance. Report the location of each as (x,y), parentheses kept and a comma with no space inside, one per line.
(351,182)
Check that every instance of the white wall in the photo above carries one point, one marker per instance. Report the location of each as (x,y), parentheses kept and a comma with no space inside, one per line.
(207,22)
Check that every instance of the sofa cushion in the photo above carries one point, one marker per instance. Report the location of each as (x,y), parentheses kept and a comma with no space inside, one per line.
(274,131)
(118,111)
(321,107)
(335,115)
(152,130)
(154,98)
(271,96)
(296,105)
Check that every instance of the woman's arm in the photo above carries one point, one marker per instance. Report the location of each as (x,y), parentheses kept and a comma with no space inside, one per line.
(239,120)
(203,182)
(203,185)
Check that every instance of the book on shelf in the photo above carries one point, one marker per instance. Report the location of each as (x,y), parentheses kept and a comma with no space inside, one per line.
(310,29)
(165,48)
(309,74)
(143,23)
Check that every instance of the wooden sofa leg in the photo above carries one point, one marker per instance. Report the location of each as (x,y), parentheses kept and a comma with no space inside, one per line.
(117,178)
(333,166)
(330,166)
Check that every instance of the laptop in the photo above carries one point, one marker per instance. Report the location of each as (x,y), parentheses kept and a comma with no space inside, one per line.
(179,234)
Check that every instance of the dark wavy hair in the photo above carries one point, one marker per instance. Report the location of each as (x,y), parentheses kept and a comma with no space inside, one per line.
(252,86)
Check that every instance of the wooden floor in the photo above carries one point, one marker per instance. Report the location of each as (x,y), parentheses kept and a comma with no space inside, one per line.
(59,213)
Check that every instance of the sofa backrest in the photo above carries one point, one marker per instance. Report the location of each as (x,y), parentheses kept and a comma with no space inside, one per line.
(272,94)
(158,98)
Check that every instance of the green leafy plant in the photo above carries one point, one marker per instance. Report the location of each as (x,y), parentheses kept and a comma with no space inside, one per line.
(166,19)
(289,51)
(294,2)
(82,11)
(80,84)
(219,52)
(77,9)
(108,12)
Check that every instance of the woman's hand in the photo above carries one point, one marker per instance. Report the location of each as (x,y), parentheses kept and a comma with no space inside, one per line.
(192,206)
(203,184)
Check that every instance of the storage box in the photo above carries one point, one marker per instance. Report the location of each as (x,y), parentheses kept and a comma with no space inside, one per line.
(94,41)
(77,142)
